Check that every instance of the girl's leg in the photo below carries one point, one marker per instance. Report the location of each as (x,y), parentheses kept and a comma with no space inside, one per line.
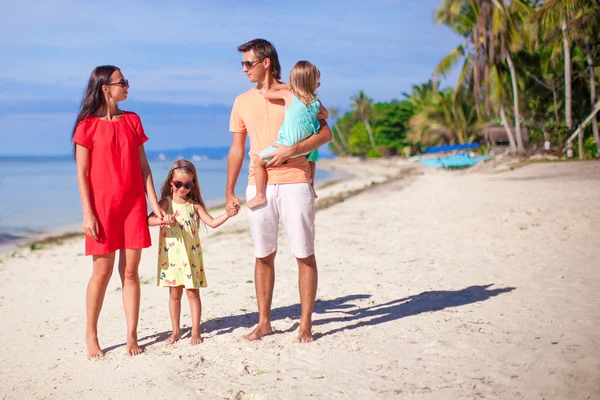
(260,179)
(175,294)
(129,261)
(96,289)
(196,311)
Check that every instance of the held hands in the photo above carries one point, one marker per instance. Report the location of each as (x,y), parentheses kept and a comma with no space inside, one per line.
(167,220)
(280,156)
(90,225)
(232,205)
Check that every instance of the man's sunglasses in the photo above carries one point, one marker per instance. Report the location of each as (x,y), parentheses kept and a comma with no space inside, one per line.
(250,64)
(122,83)
(179,184)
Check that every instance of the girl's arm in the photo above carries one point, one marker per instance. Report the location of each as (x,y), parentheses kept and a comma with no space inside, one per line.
(90,223)
(154,220)
(208,219)
(149,183)
(283,92)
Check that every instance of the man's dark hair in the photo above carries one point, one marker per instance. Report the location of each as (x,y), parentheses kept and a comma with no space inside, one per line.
(264,49)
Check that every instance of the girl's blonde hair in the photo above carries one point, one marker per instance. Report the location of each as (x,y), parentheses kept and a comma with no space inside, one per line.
(182,166)
(304,80)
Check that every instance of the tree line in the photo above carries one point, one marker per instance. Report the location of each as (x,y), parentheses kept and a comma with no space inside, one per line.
(524,65)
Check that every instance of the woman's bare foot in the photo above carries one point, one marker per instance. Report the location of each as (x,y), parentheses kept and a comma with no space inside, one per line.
(259,332)
(93,347)
(257,201)
(175,336)
(133,349)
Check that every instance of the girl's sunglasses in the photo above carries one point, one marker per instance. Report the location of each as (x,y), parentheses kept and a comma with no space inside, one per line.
(179,184)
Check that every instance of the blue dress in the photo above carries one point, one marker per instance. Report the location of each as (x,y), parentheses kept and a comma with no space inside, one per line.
(299,123)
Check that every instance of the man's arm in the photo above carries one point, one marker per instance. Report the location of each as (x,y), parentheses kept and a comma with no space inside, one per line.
(235,158)
(284,153)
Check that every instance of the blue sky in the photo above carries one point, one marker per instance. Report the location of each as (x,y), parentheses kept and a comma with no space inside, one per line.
(181,60)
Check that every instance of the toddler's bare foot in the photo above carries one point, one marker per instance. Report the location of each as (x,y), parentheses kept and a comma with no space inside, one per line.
(93,347)
(259,332)
(257,201)
(195,339)
(175,336)
(133,349)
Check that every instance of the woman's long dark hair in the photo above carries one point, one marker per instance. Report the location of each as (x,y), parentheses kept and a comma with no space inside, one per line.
(93,102)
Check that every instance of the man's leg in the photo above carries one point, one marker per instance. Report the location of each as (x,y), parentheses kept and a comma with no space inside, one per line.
(264,281)
(307,283)
(264,227)
(297,210)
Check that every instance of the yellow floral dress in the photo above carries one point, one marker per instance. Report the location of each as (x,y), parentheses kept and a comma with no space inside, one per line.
(179,253)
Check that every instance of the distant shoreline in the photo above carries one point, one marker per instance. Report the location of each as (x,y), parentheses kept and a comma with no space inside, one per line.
(13,241)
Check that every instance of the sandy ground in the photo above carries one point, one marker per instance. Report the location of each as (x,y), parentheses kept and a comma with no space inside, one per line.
(441,285)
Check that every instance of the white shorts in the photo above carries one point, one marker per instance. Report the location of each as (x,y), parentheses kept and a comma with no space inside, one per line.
(294,203)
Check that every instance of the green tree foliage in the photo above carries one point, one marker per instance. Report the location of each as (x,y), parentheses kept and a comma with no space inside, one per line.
(524,64)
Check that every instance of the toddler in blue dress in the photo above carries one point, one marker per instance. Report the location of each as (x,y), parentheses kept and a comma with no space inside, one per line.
(302,107)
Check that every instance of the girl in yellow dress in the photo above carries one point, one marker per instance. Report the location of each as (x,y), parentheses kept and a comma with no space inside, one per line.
(180,262)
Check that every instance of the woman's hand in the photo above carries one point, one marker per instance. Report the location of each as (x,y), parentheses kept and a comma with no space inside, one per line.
(90,225)
(167,220)
(158,211)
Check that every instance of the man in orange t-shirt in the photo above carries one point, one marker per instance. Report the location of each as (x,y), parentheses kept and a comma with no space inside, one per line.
(290,196)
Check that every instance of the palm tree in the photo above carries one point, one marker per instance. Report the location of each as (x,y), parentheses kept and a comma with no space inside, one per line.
(363,109)
(468,18)
(497,81)
(558,14)
(335,114)
(510,26)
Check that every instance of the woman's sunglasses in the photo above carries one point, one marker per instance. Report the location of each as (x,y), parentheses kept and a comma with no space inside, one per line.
(122,83)
(179,184)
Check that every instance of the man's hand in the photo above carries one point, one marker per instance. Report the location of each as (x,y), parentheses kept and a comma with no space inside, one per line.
(282,154)
(232,204)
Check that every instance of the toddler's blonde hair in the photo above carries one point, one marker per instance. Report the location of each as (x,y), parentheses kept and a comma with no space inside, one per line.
(304,80)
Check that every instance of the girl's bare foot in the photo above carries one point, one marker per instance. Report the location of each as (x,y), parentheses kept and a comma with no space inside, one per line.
(196,339)
(175,336)
(259,332)
(257,201)
(133,349)
(93,347)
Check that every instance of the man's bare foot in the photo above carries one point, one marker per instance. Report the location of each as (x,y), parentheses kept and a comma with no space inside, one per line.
(195,339)
(258,333)
(133,349)
(304,337)
(93,347)
(175,336)
(257,201)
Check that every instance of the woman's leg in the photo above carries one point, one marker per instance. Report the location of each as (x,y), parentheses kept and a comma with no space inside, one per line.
(175,294)
(96,289)
(129,261)
(196,311)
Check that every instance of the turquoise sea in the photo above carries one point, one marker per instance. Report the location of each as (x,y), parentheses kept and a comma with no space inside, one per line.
(39,195)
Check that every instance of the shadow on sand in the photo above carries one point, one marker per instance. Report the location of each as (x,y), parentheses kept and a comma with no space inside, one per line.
(353,316)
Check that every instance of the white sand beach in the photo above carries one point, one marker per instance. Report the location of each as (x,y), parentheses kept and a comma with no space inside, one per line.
(440,285)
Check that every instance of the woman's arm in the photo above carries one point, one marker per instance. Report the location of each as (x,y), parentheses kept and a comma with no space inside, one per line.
(149,184)
(90,223)
(208,219)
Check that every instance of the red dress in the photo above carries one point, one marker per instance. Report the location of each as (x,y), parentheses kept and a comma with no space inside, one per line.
(117,190)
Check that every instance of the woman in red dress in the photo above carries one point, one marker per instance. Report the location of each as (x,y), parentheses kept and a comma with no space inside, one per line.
(114,177)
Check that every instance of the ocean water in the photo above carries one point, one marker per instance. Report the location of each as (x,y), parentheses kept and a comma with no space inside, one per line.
(39,195)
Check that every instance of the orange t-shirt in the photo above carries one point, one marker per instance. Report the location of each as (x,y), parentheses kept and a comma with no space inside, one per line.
(261,119)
